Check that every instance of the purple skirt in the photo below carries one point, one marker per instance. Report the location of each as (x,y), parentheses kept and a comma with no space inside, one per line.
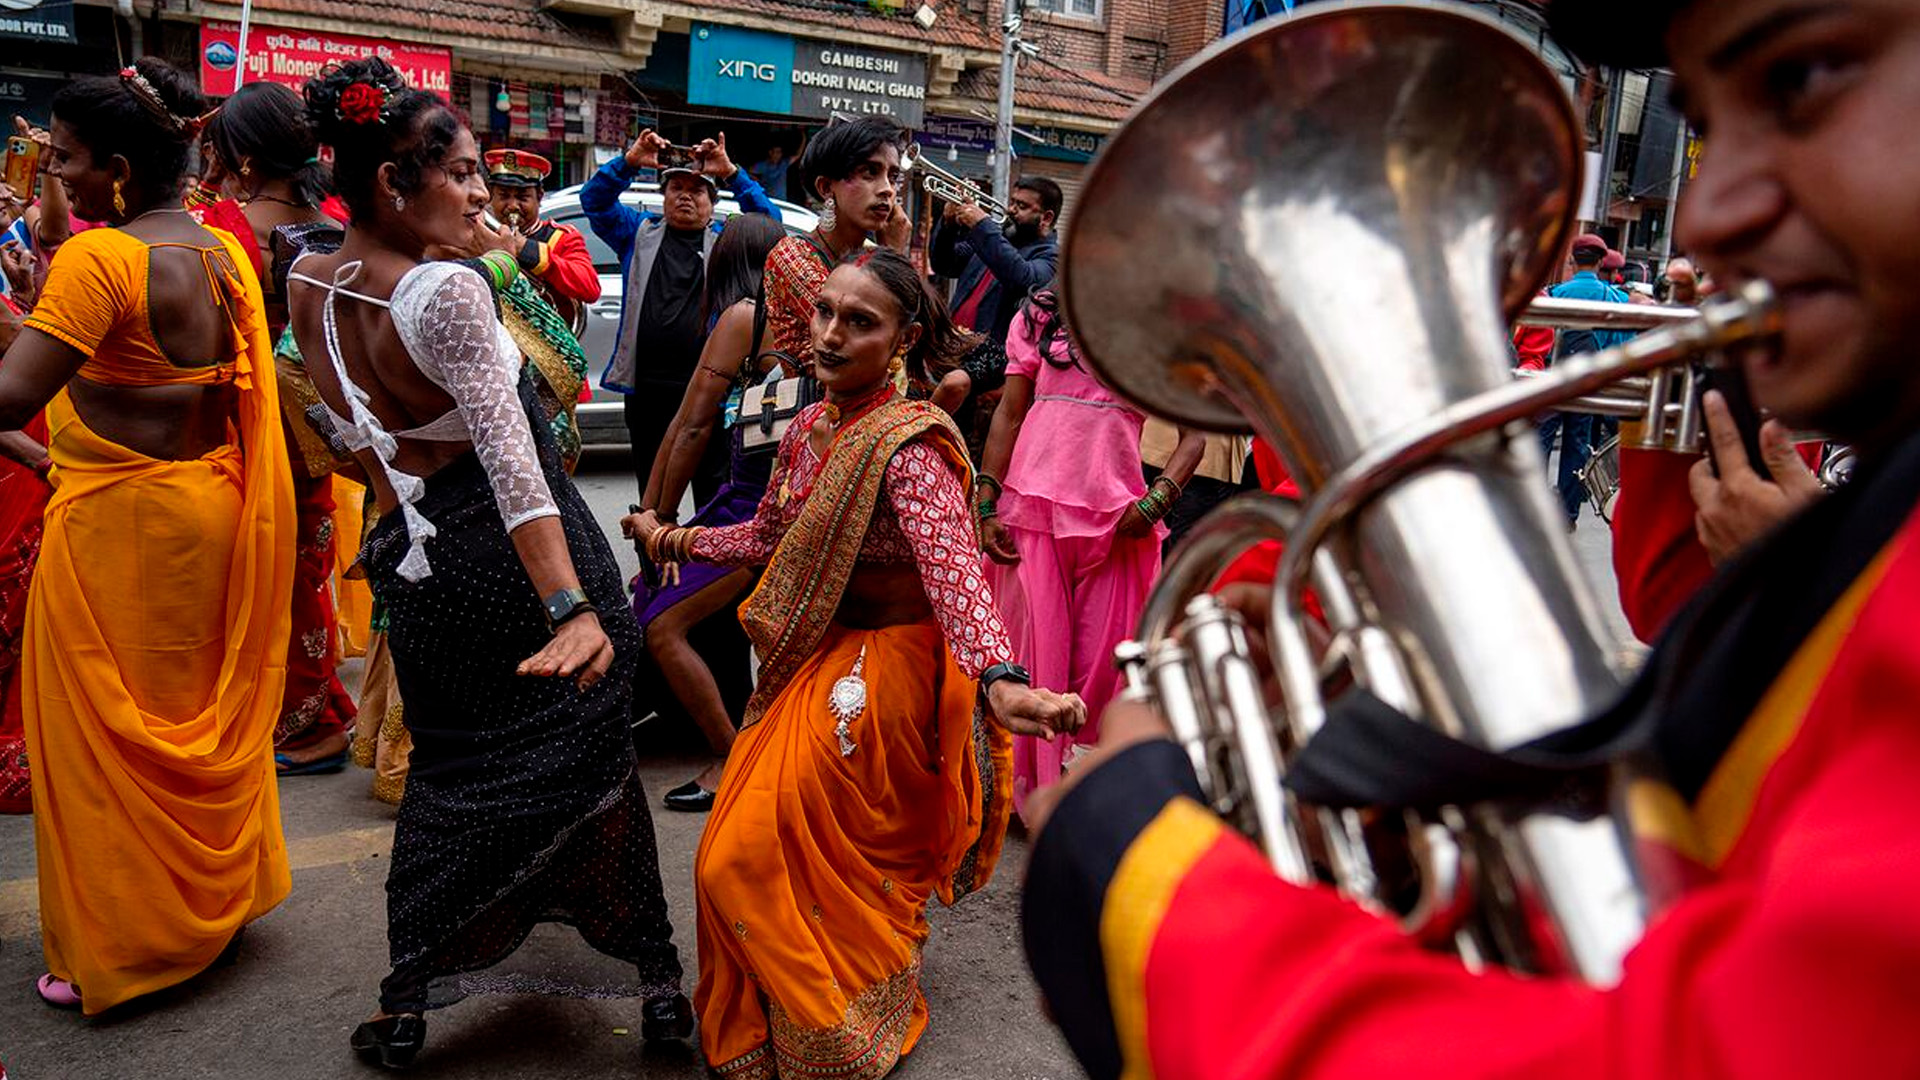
(736,501)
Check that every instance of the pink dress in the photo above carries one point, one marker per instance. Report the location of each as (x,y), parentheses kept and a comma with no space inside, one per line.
(1078,589)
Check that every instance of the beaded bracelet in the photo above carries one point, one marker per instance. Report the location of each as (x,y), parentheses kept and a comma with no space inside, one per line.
(1170,482)
(987,478)
(986,509)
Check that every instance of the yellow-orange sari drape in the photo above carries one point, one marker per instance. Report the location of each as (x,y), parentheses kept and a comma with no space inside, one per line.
(154,664)
(815,869)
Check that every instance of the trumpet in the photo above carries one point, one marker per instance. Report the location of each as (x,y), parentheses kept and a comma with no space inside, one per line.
(1449,588)
(942,184)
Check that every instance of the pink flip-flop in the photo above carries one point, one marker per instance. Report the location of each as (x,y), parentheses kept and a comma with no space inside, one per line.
(58,993)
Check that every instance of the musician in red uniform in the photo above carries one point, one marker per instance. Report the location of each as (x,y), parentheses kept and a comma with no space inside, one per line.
(1783,703)
(554,255)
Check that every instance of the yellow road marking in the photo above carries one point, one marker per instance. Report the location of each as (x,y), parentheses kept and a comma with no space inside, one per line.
(20,897)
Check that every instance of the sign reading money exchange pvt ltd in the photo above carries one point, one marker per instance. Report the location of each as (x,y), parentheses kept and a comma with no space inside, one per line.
(762,72)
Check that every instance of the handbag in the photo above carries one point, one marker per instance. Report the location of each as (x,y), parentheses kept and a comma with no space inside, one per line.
(768,409)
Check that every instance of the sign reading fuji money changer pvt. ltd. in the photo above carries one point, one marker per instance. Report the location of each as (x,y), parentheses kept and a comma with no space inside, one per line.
(291,57)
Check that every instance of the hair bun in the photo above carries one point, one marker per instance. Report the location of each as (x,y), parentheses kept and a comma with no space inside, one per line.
(338,97)
(175,90)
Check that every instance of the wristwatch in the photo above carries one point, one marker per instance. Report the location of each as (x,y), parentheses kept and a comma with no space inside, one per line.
(564,605)
(1007,670)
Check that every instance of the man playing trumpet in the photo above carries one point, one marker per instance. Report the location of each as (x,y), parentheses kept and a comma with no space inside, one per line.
(553,255)
(1780,704)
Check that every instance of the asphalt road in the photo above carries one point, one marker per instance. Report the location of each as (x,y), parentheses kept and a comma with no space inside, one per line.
(309,970)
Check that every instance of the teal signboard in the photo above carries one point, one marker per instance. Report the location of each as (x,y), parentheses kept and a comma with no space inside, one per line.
(740,69)
(774,73)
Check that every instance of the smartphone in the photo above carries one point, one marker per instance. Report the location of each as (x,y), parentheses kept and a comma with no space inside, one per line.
(23,165)
(1732,385)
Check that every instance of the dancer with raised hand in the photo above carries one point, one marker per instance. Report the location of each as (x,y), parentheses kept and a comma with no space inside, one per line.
(507,621)
(156,628)
(872,773)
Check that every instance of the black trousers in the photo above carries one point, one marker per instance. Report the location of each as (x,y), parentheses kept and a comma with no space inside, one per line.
(649,411)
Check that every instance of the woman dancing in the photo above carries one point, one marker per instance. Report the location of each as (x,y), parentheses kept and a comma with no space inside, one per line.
(1074,530)
(262,156)
(506,616)
(727,367)
(871,775)
(156,626)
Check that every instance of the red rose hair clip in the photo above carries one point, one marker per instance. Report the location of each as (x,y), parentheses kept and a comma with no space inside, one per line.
(364,103)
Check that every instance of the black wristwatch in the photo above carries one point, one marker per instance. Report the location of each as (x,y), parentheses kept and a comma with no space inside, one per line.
(564,605)
(1007,670)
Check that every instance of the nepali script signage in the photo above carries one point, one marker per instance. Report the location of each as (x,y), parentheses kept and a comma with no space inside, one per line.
(37,20)
(291,57)
(775,73)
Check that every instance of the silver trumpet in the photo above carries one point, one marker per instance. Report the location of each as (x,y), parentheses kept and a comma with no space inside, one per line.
(942,184)
(1305,232)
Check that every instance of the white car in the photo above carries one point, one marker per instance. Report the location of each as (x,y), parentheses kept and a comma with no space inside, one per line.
(601,421)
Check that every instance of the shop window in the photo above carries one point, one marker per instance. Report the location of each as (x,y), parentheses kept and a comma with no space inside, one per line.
(1085,9)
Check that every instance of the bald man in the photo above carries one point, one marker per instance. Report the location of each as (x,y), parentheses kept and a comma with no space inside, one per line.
(1683,284)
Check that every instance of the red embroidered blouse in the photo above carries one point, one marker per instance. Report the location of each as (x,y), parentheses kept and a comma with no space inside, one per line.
(923,520)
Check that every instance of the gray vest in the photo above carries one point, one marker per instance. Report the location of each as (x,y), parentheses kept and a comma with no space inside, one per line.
(633,296)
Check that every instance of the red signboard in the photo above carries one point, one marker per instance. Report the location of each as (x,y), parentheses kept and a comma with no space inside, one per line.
(292,57)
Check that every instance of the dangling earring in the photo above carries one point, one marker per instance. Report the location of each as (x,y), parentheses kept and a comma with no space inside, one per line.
(399,204)
(828,216)
(119,201)
(898,363)
(246,168)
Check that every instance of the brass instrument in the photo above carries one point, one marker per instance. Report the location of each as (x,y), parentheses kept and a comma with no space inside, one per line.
(942,184)
(1321,229)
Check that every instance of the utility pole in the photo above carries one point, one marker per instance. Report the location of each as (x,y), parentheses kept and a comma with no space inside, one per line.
(1673,192)
(1003,121)
(1616,97)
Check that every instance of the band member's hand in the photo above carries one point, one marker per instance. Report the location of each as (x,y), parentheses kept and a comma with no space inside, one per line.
(506,238)
(969,214)
(645,151)
(1126,723)
(997,542)
(1024,710)
(1133,523)
(952,391)
(899,228)
(1739,506)
(710,157)
(579,651)
(951,211)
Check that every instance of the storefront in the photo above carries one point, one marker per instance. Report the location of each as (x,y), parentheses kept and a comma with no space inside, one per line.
(44,44)
(561,122)
(291,57)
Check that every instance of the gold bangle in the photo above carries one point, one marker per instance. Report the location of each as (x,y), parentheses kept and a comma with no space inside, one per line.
(655,541)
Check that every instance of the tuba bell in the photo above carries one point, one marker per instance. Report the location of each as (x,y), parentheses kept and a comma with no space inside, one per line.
(1320,230)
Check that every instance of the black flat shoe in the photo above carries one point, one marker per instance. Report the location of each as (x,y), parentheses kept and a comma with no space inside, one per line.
(689,797)
(666,1018)
(390,1042)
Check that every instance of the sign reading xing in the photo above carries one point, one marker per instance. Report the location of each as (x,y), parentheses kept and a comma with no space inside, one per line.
(774,73)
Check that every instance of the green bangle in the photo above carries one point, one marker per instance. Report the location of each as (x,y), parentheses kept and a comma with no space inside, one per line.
(501,267)
(986,508)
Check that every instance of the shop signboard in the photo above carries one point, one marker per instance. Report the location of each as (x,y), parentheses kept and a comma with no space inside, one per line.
(956,133)
(775,73)
(28,94)
(38,20)
(1058,144)
(291,57)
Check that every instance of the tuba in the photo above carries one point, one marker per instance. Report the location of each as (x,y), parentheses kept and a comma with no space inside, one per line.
(1320,230)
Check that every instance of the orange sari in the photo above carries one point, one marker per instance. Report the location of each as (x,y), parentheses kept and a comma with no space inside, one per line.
(815,868)
(156,643)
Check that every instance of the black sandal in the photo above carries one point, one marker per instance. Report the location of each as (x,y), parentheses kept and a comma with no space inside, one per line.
(390,1042)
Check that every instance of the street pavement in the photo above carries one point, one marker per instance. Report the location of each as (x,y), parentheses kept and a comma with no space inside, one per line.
(308,972)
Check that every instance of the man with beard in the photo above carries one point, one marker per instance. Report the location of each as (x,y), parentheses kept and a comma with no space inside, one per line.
(663,258)
(996,266)
(553,255)
(1780,706)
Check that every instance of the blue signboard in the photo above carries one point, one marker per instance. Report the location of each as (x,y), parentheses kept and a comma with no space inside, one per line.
(741,69)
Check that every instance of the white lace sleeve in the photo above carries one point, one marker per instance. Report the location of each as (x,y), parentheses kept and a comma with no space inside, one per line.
(449,326)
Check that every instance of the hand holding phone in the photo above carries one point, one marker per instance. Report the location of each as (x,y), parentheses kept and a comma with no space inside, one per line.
(22,166)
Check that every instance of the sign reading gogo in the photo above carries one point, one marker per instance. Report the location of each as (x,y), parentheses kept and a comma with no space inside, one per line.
(291,57)
(749,69)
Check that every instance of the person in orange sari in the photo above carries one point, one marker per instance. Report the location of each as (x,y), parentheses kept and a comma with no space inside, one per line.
(872,773)
(156,628)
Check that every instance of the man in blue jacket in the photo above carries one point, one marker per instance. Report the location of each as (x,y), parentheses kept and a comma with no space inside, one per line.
(995,265)
(1578,433)
(663,260)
